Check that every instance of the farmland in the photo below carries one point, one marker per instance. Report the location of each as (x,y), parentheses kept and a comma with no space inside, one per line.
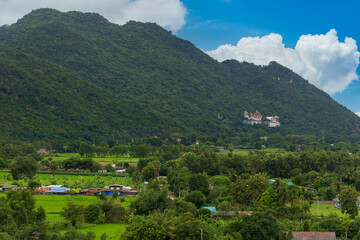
(106,160)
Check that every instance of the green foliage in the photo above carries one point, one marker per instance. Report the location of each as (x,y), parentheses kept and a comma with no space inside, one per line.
(151,199)
(92,213)
(197,198)
(23,167)
(259,226)
(182,206)
(249,191)
(269,198)
(220,180)
(148,230)
(199,182)
(348,200)
(73,213)
(149,172)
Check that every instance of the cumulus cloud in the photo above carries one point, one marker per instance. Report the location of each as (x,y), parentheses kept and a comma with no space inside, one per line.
(323,60)
(167,13)
(358,113)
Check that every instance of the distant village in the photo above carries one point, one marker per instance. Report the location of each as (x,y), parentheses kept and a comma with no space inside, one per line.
(256,118)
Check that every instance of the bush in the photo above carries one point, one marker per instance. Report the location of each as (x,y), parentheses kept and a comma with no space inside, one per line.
(92,213)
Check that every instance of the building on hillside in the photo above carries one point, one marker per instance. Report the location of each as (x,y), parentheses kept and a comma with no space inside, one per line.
(273,121)
(253,118)
(43,151)
(256,119)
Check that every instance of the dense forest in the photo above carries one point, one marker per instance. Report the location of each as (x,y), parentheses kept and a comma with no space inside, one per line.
(75,75)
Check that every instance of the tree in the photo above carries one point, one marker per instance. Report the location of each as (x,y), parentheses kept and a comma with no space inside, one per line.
(248,191)
(269,198)
(151,199)
(92,213)
(23,166)
(197,198)
(348,200)
(146,230)
(73,213)
(259,226)
(149,172)
(53,167)
(199,182)
(220,180)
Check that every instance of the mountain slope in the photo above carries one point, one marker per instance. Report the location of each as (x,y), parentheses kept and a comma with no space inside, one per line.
(174,86)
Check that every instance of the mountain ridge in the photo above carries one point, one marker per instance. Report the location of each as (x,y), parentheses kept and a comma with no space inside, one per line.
(182,87)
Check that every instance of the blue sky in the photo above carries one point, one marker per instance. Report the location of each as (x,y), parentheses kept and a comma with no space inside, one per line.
(210,24)
(316,38)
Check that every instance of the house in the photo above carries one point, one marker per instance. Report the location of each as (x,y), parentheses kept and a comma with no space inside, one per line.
(121,171)
(314,235)
(7,187)
(52,189)
(115,187)
(128,192)
(123,190)
(102,171)
(43,151)
(92,191)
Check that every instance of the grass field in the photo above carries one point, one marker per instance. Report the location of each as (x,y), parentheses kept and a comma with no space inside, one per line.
(113,231)
(72,180)
(324,210)
(246,151)
(53,204)
(63,156)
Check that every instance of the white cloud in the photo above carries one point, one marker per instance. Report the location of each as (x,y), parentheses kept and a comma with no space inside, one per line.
(358,113)
(323,60)
(167,13)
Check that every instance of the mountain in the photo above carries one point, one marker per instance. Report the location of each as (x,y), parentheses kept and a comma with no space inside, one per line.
(76,75)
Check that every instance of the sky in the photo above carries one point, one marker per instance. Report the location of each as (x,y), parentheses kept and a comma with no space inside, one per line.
(317,39)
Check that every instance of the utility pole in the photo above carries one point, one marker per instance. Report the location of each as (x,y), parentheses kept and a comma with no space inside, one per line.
(201,234)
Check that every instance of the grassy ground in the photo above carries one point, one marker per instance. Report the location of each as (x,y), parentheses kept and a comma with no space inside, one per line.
(63,156)
(324,210)
(46,179)
(246,151)
(53,204)
(113,231)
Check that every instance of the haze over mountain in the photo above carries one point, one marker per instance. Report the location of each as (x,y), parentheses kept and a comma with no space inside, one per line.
(76,75)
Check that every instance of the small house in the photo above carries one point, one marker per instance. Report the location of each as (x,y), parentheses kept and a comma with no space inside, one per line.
(43,151)
(115,187)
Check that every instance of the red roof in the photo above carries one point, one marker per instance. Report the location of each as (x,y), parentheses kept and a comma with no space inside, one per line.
(314,235)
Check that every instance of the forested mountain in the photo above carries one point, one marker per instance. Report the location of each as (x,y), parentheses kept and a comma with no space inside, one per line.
(76,75)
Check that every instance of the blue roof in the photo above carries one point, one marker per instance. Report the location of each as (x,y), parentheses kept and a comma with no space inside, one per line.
(212,209)
(289,183)
(58,189)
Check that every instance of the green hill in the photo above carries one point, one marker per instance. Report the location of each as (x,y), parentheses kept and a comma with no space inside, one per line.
(84,77)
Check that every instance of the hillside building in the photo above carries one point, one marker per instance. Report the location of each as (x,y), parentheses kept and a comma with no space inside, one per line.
(256,118)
